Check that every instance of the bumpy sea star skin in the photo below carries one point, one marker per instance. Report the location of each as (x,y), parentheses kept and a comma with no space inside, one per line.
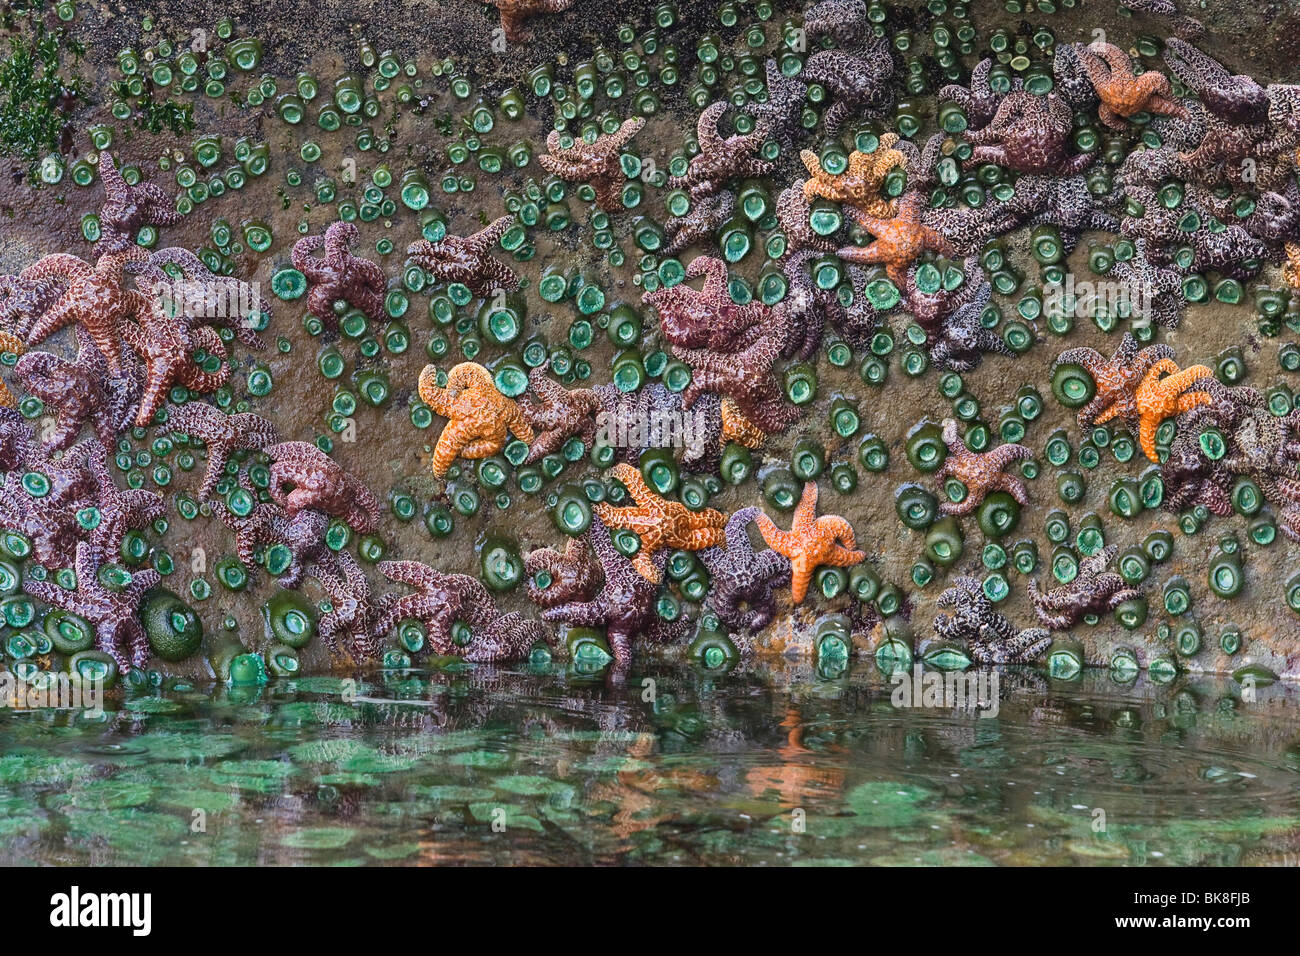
(1164,392)
(1064,202)
(899,240)
(1094,591)
(1121,92)
(965,341)
(1186,28)
(465,259)
(720,160)
(658,522)
(859,185)
(127,208)
(858,74)
(338,279)
(981,472)
(988,635)
(351,624)
(574,574)
(479,418)
(442,599)
(80,392)
(778,117)
(709,317)
(978,101)
(1236,99)
(744,376)
(741,582)
(806,308)
(596,162)
(1116,379)
(932,307)
(706,215)
(112,611)
(1291,269)
(515,12)
(94,298)
(1029,134)
(1276,218)
(625,606)
(1160,290)
(811,542)
(1190,477)
(266,526)
(1071,79)
(222,434)
(1229,250)
(556,413)
(654,417)
(14,345)
(24,301)
(792,214)
(48,520)
(202,296)
(121,509)
(304,477)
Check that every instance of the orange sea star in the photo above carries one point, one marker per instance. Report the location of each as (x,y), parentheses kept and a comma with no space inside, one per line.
(478,415)
(811,541)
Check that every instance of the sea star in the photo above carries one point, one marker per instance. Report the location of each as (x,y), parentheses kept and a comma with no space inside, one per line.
(222,434)
(127,208)
(120,509)
(515,12)
(706,214)
(442,599)
(181,284)
(574,574)
(1158,398)
(110,606)
(597,162)
(353,614)
(709,317)
(899,240)
(557,413)
(1291,270)
(1229,250)
(720,159)
(811,541)
(1064,202)
(859,185)
(658,522)
(266,526)
(806,308)
(1116,379)
(465,259)
(81,392)
(980,472)
(94,298)
(793,212)
(625,605)
(338,279)
(1093,591)
(1158,290)
(1029,134)
(859,74)
(986,633)
(978,101)
(23,301)
(655,417)
(166,344)
(304,477)
(478,415)
(741,582)
(778,117)
(1121,92)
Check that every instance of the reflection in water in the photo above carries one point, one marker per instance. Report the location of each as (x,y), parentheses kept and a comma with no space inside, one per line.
(671,765)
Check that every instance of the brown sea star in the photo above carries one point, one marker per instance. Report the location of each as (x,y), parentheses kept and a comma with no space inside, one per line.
(1116,379)
(980,472)
(222,434)
(127,208)
(596,162)
(465,259)
(338,279)
(720,159)
(515,12)
(304,477)
(1094,590)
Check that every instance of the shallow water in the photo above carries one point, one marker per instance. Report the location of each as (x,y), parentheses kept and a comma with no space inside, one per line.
(491,766)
